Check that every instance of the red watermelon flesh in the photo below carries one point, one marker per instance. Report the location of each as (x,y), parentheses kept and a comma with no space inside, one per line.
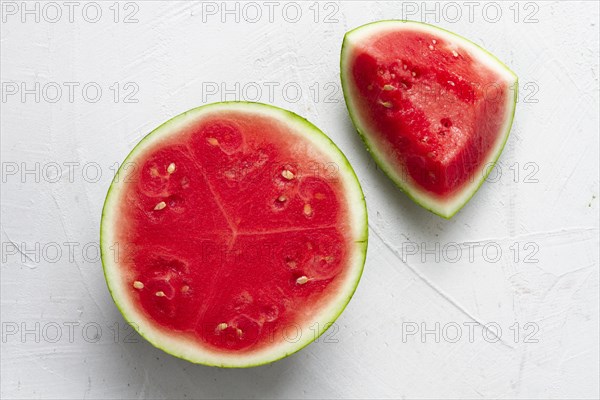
(236,233)
(432,109)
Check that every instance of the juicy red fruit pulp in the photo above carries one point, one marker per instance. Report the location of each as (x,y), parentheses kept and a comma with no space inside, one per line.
(437,110)
(233,232)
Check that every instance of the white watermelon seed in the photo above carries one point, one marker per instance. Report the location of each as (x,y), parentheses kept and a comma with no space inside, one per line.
(185,288)
(454,53)
(239,332)
(404,66)
(430,47)
(138,285)
(307,209)
(222,326)
(160,293)
(171,168)
(302,280)
(287,174)
(160,205)
(414,73)
(386,104)
(451,83)
(212,141)
(319,196)
(282,198)
(388,87)
(434,41)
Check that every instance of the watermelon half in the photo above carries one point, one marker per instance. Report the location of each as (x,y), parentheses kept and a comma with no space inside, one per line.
(234,234)
(433,108)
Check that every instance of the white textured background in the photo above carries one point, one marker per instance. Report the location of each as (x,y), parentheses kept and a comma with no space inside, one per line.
(174,55)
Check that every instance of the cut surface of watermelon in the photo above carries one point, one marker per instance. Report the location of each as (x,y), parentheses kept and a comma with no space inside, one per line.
(234,234)
(434,109)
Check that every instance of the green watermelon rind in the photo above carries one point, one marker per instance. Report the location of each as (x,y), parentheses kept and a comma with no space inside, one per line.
(356,202)
(429,204)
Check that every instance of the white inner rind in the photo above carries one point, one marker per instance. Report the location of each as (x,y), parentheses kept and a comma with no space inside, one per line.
(325,315)
(448,206)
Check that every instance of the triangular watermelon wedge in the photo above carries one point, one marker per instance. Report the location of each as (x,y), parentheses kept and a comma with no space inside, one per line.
(433,108)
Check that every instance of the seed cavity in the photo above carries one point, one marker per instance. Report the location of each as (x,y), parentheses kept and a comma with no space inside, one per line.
(138,285)
(454,53)
(153,172)
(160,293)
(446,122)
(307,210)
(386,104)
(388,87)
(404,66)
(302,280)
(319,196)
(171,168)
(287,174)
(212,141)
